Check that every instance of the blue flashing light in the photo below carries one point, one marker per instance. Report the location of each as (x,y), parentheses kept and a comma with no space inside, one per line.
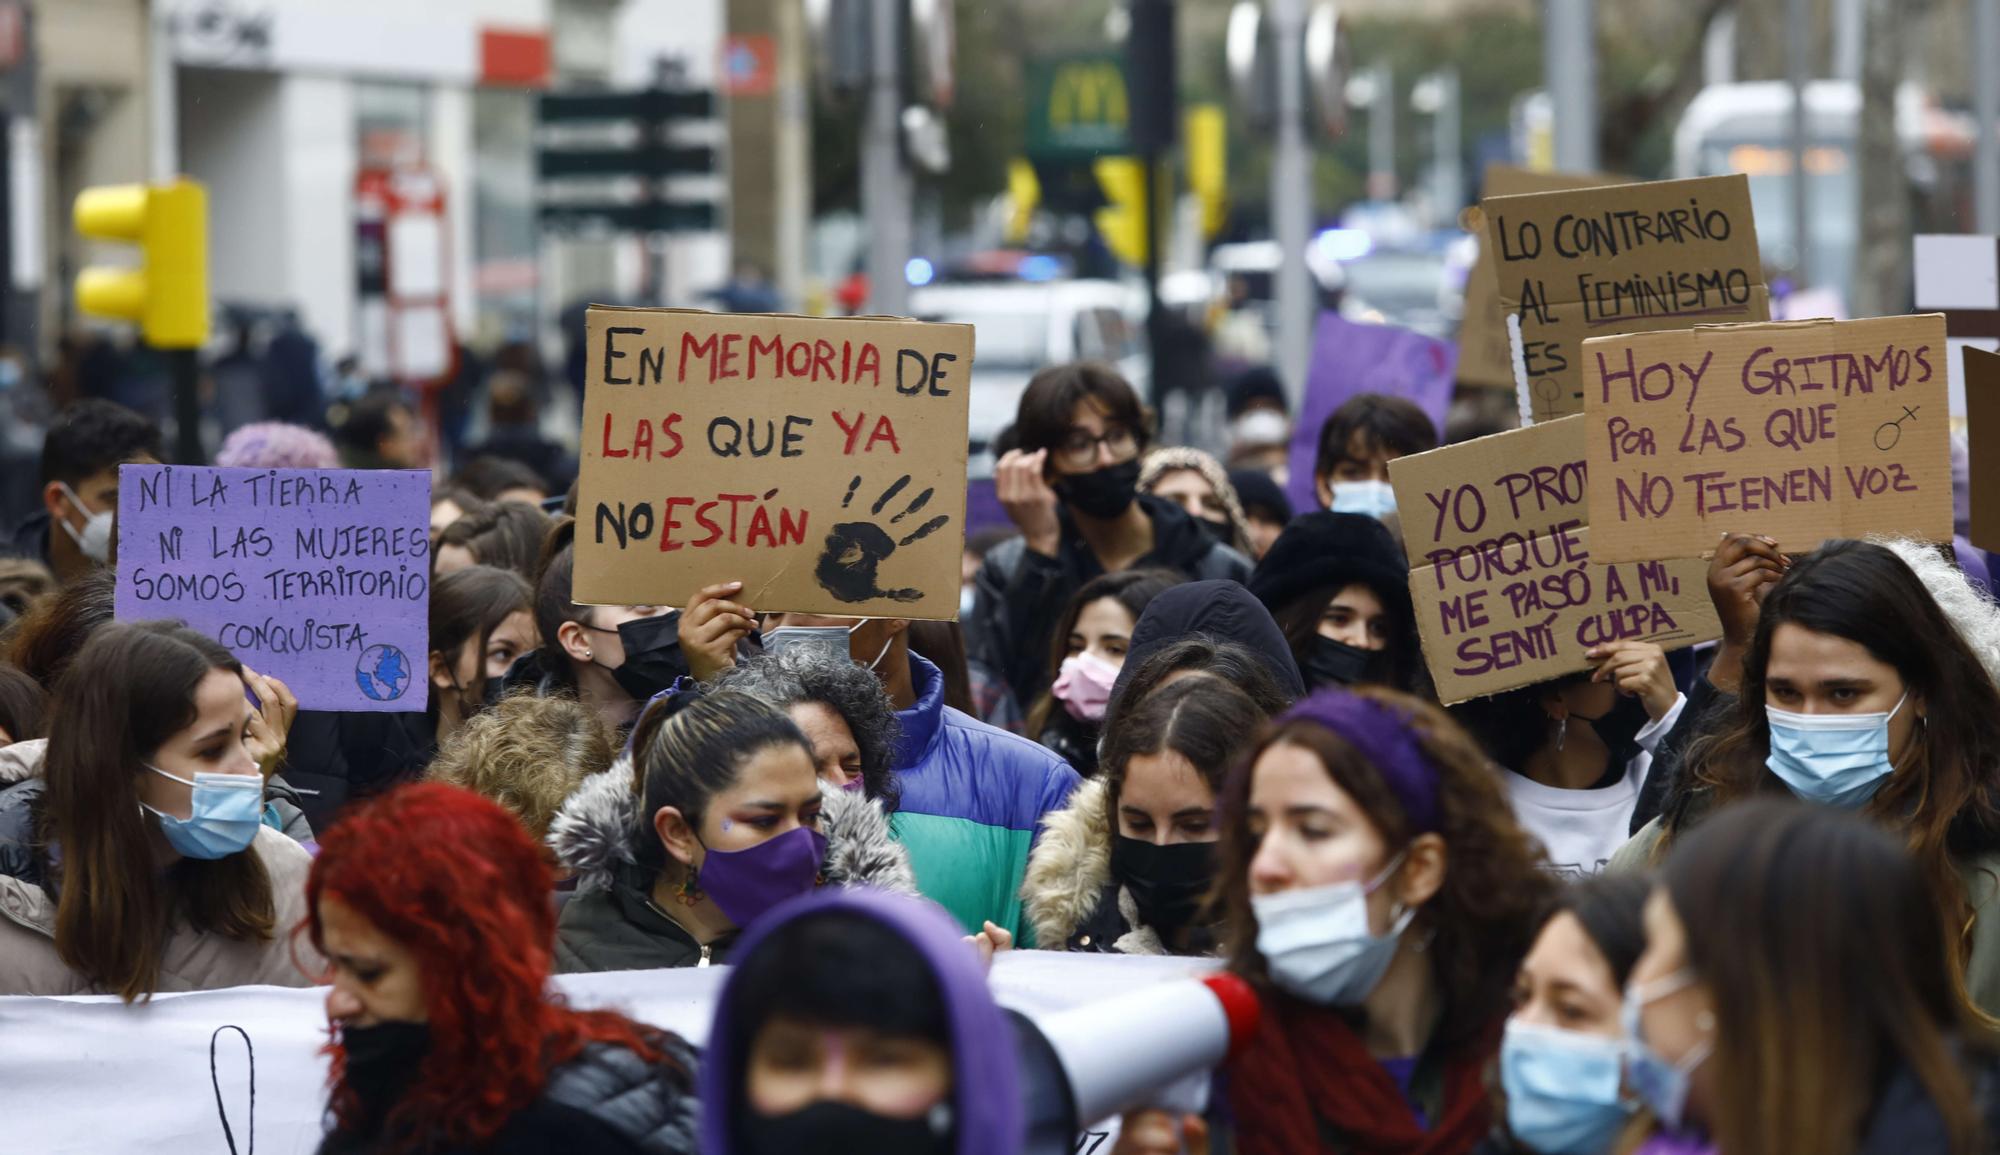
(919,271)
(1343,244)
(1040,267)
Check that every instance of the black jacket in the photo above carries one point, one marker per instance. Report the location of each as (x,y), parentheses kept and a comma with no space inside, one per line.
(619,930)
(606,1101)
(333,758)
(31,537)
(1021,594)
(1222,611)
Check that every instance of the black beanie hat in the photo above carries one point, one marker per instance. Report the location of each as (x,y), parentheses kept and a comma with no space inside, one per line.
(1333,549)
(1257,491)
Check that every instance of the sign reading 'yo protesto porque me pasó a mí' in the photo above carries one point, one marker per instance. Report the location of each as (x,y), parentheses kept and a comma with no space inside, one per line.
(317,577)
(1505,577)
(820,462)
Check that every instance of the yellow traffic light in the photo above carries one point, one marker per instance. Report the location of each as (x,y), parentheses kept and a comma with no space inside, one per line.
(1024,194)
(1122,221)
(1207,136)
(168,294)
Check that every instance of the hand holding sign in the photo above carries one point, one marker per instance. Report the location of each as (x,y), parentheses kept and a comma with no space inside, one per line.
(710,628)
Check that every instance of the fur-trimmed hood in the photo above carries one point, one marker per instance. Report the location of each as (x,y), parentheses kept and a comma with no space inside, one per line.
(592,835)
(1973,614)
(1069,874)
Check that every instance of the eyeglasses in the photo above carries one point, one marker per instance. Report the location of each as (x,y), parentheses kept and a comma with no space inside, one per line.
(1078,450)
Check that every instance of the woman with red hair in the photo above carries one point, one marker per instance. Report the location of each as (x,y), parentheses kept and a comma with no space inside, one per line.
(432,906)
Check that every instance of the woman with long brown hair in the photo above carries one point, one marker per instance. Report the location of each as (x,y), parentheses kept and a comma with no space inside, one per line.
(1858,692)
(138,860)
(1379,895)
(1085,654)
(1797,994)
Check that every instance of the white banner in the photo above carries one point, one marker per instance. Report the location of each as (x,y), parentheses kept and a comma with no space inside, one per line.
(92,1075)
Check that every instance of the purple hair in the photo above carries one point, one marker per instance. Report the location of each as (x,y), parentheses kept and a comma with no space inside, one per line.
(277,445)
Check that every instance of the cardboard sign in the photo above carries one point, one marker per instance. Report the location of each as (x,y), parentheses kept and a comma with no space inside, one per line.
(1507,592)
(1800,430)
(317,577)
(184,1065)
(820,462)
(1484,358)
(1959,276)
(1982,432)
(1350,357)
(1623,259)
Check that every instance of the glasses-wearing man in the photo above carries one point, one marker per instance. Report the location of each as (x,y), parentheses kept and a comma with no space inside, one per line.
(1072,488)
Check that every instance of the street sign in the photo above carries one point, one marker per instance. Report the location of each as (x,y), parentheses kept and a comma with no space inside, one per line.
(634,217)
(655,113)
(647,104)
(659,160)
(1077,107)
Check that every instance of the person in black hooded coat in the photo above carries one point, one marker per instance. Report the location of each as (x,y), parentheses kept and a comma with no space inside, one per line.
(1339,588)
(1215,627)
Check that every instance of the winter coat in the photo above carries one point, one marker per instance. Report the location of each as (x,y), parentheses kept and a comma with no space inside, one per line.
(1021,594)
(345,757)
(612,924)
(606,1101)
(973,797)
(191,961)
(1071,900)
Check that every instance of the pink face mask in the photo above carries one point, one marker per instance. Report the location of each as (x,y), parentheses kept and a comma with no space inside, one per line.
(1083,686)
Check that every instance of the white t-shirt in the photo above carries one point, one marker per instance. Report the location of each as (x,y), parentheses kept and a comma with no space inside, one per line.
(1582,828)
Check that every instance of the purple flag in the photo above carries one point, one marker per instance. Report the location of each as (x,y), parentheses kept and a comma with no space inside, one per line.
(317,577)
(1350,358)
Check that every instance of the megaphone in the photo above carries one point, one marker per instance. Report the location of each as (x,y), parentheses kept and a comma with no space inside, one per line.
(1089,1063)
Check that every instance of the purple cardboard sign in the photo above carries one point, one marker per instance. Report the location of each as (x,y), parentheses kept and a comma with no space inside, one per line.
(1350,357)
(317,577)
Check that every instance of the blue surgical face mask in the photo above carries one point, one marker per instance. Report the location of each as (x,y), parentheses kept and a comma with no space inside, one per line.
(1563,1089)
(1661,1085)
(1316,942)
(1833,759)
(1370,498)
(224,813)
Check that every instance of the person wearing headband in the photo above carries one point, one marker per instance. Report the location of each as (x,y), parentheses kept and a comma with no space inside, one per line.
(714,815)
(1379,895)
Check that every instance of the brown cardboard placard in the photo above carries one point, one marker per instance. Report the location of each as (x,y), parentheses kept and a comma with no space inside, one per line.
(1622,259)
(1506,590)
(1485,358)
(1982,436)
(1799,430)
(820,462)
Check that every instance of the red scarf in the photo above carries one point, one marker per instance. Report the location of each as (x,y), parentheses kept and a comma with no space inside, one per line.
(1308,1075)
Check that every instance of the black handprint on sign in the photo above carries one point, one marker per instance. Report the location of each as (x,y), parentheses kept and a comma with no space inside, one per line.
(855,550)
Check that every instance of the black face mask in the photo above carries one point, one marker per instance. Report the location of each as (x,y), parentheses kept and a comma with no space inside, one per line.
(836,1128)
(652,655)
(1167,882)
(1331,663)
(382,1062)
(1102,493)
(1217,531)
(1619,729)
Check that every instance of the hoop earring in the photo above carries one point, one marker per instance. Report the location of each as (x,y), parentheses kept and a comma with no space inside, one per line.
(690,893)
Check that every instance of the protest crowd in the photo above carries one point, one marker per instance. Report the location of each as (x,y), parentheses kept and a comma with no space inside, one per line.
(1516,823)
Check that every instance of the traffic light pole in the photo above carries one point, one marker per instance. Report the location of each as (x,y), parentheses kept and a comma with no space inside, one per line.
(184,365)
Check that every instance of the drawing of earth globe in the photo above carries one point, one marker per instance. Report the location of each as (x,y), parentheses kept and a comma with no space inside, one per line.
(383,673)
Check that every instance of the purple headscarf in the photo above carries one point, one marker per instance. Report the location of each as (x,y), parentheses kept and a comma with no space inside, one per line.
(1384,736)
(986,1095)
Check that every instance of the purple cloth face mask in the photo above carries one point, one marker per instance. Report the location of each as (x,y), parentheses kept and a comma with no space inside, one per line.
(746,883)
